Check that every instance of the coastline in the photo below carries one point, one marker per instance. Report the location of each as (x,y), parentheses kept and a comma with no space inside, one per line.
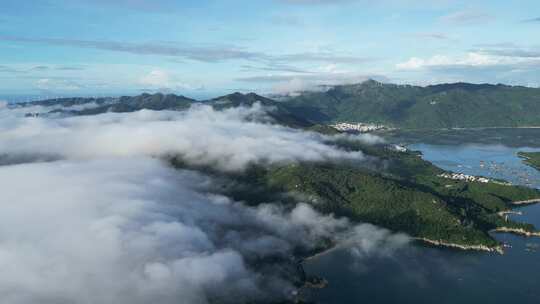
(519,231)
(503,213)
(439,243)
(319,254)
(526,202)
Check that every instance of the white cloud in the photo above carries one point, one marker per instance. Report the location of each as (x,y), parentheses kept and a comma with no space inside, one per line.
(48,84)
(229,140)
(131,230)
(117,231)
(471,59)
(156,78)
(467,17)
(108,222)
(161,80)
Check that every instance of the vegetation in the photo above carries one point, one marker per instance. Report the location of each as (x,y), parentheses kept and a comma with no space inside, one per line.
(531,158)
(396,190)
(121,104)
(459,105)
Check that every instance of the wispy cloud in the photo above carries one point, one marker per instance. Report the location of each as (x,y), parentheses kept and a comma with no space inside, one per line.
(288,20)
(532,20)
(315,2)
(198,53)
(508,49)
(8,69)
(55,85)
(149,6)
(502,63)
(285,84)
(431,36)
(275,68)
(467,17)
(17,69)
(208,53)
(322,57)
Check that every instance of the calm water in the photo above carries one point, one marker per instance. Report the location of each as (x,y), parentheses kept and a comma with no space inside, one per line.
(418,274)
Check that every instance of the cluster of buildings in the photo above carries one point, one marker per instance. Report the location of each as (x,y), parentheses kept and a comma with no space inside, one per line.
(465,177)
(357,127)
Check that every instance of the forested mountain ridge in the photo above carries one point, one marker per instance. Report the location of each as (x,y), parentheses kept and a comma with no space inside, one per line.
(458,105)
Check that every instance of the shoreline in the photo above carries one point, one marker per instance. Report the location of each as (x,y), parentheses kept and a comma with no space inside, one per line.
(503,213)
(439,243)
(518,231)
(456,129)
(526,202)
(319,254)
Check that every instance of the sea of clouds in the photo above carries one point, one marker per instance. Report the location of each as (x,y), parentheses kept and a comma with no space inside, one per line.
(230,139)
(90,212)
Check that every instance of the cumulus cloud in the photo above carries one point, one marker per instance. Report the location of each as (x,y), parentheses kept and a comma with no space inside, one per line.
(229,140)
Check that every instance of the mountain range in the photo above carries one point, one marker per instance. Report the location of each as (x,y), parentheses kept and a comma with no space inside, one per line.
(457,105)
(397,189)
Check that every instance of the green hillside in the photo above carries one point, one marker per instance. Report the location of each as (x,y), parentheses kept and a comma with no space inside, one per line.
(396,190)
(457,105)
(278,113)
(531,158)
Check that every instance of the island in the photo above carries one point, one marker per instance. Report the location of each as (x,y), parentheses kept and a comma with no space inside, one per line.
(531,158)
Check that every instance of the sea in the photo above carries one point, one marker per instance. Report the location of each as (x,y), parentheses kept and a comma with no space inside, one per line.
(419,273)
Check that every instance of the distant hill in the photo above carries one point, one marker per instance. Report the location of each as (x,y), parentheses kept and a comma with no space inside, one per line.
(279,113)
(458,105)
(157,102)
(239,99)
(129,104)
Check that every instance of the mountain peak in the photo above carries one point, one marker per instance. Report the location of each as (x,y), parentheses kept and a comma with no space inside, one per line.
(371,82)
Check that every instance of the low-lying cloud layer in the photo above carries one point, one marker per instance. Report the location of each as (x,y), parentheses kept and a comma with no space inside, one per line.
(110,222)
(229,139)
(131,230)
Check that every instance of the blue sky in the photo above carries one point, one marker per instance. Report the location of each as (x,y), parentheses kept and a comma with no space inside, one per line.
(209,47)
